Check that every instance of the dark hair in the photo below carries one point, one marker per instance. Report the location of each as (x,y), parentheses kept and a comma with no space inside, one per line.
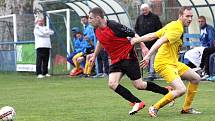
(85,17)
(98,12)
(202,17)
(183,8)
(79,33)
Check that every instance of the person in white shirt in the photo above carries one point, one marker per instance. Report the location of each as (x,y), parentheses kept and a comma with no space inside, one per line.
(193,57)
(198,58)
(42,46)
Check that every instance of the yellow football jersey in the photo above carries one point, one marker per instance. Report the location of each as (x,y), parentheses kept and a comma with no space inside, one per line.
(168,53)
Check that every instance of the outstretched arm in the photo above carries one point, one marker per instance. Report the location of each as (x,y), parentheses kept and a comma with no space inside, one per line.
(154,48)
(145,38)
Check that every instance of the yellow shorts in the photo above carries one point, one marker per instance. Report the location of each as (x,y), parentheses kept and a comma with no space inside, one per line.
(171,72)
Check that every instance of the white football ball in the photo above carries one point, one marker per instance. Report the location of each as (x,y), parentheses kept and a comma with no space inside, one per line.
(7,113)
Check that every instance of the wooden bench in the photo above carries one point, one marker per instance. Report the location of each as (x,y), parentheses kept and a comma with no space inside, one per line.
(190,40)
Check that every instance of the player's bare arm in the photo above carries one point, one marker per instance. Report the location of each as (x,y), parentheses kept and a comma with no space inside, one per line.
(145,38)
(154,48)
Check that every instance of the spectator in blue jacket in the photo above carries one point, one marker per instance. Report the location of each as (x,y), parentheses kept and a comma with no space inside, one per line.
(102,63)
(207,33)
(88,30)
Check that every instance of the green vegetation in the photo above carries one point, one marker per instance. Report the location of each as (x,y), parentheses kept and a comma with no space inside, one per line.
(60,98)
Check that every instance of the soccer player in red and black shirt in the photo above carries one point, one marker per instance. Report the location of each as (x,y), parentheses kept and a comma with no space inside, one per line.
(112,36)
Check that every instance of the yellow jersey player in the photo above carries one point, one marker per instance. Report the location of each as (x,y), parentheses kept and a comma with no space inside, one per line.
(167,64)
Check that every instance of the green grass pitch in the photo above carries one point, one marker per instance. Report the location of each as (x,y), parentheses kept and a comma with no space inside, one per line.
(60,98)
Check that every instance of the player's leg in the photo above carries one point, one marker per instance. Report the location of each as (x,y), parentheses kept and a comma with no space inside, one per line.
(192,87)
(87,63)
(75,61)
(69,58)
(132,70)
(114,78)
(88,67)
(170,74)
(113,83)
(78,69)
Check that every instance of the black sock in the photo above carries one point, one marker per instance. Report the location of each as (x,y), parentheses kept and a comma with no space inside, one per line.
(125,93)
(156,88)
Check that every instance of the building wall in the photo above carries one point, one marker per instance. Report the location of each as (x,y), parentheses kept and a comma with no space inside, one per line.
(24,11)
(15,6)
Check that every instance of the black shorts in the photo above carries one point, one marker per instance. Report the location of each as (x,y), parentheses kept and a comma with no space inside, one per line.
(130,67)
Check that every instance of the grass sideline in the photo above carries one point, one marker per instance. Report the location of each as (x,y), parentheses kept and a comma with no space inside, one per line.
(60,98)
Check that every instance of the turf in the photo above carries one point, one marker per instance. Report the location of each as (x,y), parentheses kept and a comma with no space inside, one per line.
(60,98)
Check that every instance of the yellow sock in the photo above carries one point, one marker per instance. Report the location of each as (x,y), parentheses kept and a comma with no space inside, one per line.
(86,67)
(74,59)
(89,69)
(165,100)
(191,91)
(77,65)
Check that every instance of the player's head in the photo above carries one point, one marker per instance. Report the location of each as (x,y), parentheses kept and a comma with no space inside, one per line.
(185,15)
(96,15)
(202,21)
(145,9)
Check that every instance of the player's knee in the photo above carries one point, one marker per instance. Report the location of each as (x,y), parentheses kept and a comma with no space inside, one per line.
(197,80)
(112,85)
(181,91)
(140,86)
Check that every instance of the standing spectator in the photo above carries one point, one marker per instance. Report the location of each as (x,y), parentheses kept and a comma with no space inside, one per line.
(207,33)
(42,46)
(146,23)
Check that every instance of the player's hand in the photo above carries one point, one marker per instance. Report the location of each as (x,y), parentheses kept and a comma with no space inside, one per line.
(133,40)
(144,63)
